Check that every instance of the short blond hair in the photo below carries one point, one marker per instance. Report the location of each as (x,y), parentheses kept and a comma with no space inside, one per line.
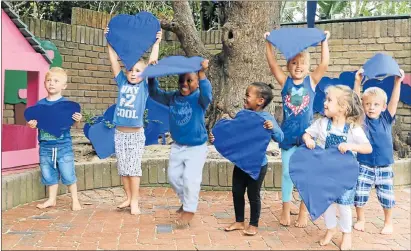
(304,54)
(375,92)
(57,71)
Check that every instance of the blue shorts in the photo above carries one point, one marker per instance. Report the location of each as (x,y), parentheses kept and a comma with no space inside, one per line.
(55,163)
(382,179)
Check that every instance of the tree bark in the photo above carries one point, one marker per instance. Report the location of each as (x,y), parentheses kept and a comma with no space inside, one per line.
(242,60)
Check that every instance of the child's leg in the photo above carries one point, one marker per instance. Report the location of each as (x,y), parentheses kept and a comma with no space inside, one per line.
(302,220)
(49,176)
(345,225)
(330,219)
(238,190)
(65,162)
(176,169)
(75,202)
(135,188)
(127,189)
(195,157)
(253,193)
(385,194)
(365,181)
(286,186)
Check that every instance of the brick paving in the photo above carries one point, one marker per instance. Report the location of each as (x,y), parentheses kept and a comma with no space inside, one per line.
(101,226)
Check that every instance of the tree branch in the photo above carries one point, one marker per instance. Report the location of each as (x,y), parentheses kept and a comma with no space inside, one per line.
(186,31)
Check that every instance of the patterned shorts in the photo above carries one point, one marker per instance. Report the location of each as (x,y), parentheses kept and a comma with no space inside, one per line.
(382,178)
(129,151)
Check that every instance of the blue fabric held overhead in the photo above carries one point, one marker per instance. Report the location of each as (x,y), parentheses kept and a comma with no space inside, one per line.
(291,41)
(381,65)
(173,65)
(55,118)
(322,175)
(311,9)
(102,139)
(131,36)
(387,84)
(234,141)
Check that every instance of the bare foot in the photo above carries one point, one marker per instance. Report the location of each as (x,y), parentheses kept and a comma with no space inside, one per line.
(302,220)
(135,210)
(346,241)
(360,225)
(124,204)
(285,219)
(184,220)
(180,210)
(235,226)
(46,204)
(251,230)
(387,229)
(75,206)
(328,236)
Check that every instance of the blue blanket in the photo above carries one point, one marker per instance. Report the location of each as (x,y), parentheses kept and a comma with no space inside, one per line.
(54,119)
(132,36)
(234,141)
(322,176)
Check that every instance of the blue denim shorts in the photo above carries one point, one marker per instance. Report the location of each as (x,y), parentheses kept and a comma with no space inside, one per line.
(55,163)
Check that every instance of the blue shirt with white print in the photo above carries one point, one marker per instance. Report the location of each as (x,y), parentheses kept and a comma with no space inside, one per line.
(131,102)
(277,134)
(187,113)
(46,140)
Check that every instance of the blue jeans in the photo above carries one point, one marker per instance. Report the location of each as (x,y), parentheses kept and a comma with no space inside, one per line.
(55,163)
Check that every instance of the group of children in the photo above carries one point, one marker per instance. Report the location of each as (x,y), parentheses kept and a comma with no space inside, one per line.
(349,123)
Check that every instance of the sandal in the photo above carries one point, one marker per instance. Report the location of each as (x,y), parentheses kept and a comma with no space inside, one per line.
(232,228)
(247,232)
(180,224)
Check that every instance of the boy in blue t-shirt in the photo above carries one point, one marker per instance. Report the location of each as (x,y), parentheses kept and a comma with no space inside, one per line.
(129,138)
(375,168)
(187,127)
(56,154)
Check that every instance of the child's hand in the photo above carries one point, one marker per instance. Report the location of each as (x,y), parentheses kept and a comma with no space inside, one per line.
(327,35)
(211,137)
(77,117)
(152,61)
(106,30)
(268,124)
(359,74)
(266,35)
(159,35)
(204,65)
(32,123)
(400,79)
(344,147)
(310,143)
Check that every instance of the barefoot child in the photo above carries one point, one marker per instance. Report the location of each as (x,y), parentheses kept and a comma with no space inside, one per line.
(129,136)
(342,127)
(257,97)
(375,168)
(56,154)
(187,126)
(298,91)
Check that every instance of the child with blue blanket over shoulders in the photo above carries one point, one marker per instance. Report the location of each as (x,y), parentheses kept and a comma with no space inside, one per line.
(187,127)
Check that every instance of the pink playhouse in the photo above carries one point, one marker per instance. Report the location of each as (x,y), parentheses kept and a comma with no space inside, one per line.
(22,55)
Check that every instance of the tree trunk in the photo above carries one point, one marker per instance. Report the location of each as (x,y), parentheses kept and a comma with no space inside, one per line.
(242,60)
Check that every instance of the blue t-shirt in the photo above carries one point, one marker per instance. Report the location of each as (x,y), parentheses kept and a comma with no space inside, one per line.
(50,141)
(187,113)
(131,102)
(277,134)
(378,132)
(297,111)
